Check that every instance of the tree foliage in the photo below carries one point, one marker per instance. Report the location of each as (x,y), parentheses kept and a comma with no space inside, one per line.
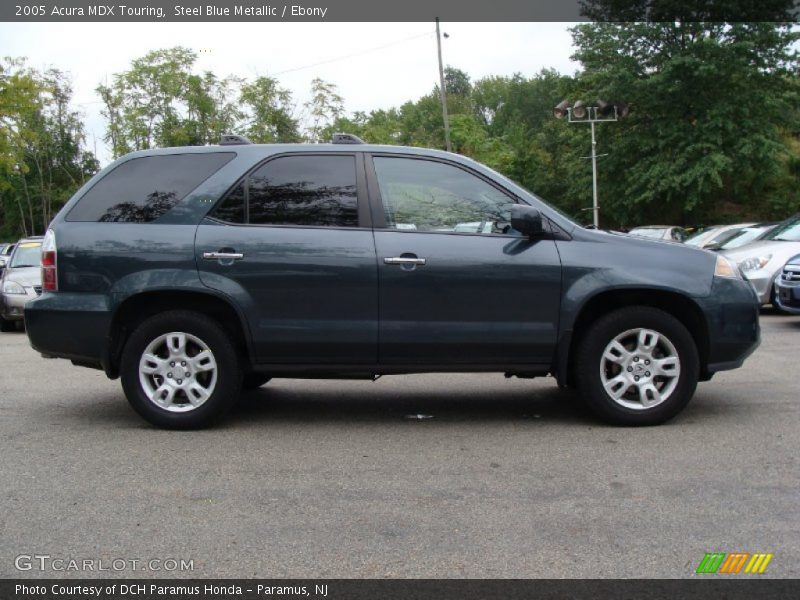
(42,155)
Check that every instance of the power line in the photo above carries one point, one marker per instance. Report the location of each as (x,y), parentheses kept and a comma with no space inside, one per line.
(354,54)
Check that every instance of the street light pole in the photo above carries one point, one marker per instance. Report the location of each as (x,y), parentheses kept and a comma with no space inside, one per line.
(595,201)
(443,90)
(580,113)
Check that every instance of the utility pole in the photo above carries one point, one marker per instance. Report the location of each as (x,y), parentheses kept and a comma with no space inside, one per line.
(443,90)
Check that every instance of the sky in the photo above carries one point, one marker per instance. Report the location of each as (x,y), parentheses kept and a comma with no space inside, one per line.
(374,65)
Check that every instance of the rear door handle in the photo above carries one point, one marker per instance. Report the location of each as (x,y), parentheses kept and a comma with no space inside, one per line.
(403,260)
(223,255)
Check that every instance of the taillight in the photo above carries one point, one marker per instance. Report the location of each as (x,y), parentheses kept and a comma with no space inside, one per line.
(49,267)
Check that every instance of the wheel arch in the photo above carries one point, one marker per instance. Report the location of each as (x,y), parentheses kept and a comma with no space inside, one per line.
(680,306)
(138,307)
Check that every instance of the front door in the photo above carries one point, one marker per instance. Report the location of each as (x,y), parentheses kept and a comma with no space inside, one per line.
(457,284)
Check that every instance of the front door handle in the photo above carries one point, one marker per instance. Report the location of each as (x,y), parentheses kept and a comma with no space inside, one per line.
(404,260)
(223,255)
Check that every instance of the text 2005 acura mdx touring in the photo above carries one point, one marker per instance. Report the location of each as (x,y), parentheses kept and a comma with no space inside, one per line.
(192,273)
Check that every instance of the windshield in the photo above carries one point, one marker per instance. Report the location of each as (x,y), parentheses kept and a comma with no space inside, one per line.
(743,236)
(28,254)
(788,231)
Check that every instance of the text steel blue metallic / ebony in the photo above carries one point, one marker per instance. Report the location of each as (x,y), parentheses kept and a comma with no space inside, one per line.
(194,272)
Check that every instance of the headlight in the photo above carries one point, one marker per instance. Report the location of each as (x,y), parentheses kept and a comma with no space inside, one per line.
(12,287)
(726,268)
(755,263)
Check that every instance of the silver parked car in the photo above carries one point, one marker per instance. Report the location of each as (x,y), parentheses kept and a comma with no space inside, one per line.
(21,281)
(713,237)
(762,261)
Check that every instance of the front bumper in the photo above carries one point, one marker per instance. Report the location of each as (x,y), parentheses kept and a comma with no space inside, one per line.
(734,332)
(787,296)
(12,306)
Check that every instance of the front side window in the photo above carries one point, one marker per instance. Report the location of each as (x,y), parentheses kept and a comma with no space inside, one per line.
(430,196)
(143,189)
(307,191)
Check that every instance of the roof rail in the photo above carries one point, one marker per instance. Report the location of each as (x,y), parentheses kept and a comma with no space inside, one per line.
(228,139)
(346,138)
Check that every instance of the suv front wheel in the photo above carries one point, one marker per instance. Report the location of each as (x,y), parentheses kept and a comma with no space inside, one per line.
(179,370)
(637,366)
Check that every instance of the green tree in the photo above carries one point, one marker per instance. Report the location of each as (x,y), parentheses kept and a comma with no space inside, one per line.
(270,116)
(709,106)
(43,160)
(324,107)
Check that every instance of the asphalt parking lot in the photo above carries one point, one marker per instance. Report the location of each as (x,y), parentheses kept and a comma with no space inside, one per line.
(510,478)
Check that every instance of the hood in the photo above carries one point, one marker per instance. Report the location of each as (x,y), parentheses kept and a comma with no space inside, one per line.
(780,251)
(26,276)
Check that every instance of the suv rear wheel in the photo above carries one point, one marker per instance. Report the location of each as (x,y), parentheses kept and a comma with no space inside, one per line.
(180,370)
(637,366)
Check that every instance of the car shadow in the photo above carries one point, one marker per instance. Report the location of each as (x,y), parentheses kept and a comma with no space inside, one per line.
(277,402)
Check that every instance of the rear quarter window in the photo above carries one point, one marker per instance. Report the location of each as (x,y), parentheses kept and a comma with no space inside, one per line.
(143,189)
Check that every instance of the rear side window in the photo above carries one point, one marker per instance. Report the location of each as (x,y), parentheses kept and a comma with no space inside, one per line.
(143,189)
(306,191)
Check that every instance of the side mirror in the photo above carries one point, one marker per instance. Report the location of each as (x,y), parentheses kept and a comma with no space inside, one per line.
(527,220)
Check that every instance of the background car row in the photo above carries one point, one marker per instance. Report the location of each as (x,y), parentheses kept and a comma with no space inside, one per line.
(21,281)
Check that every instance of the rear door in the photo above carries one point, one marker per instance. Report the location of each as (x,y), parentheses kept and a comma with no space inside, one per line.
(458,286)
(292,244)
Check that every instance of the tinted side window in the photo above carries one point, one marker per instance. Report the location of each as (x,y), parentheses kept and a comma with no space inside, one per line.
(424,195)
(304,190)
(231,209)
(143,189)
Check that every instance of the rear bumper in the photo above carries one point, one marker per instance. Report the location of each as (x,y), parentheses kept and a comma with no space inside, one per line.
(732,313)
(70,325)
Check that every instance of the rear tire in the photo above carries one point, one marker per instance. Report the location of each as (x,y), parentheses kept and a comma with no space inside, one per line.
(7,326)
(180,370)
(637,366)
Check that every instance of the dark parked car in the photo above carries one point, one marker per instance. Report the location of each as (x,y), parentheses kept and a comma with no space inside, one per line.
(193,272)
(787,287)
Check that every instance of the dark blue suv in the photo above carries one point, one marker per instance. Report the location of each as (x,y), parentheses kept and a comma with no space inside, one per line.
(191,273)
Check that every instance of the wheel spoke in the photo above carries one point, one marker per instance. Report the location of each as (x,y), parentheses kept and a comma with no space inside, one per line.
(649,395)
(616,352)
(204,361)
(617,386)
(176,342)
(647,340)
(197,394)
(165,395)
(669,366)
(151,364)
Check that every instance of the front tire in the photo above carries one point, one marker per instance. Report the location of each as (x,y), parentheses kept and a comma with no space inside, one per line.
(637,366)
(180,370)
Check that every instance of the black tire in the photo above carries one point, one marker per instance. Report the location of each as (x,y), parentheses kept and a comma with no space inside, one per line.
(7,326)
(590,353)
(253,381)
(228,371)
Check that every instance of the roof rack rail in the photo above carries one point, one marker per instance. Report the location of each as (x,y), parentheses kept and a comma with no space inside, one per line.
(228,139)
(346,138)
